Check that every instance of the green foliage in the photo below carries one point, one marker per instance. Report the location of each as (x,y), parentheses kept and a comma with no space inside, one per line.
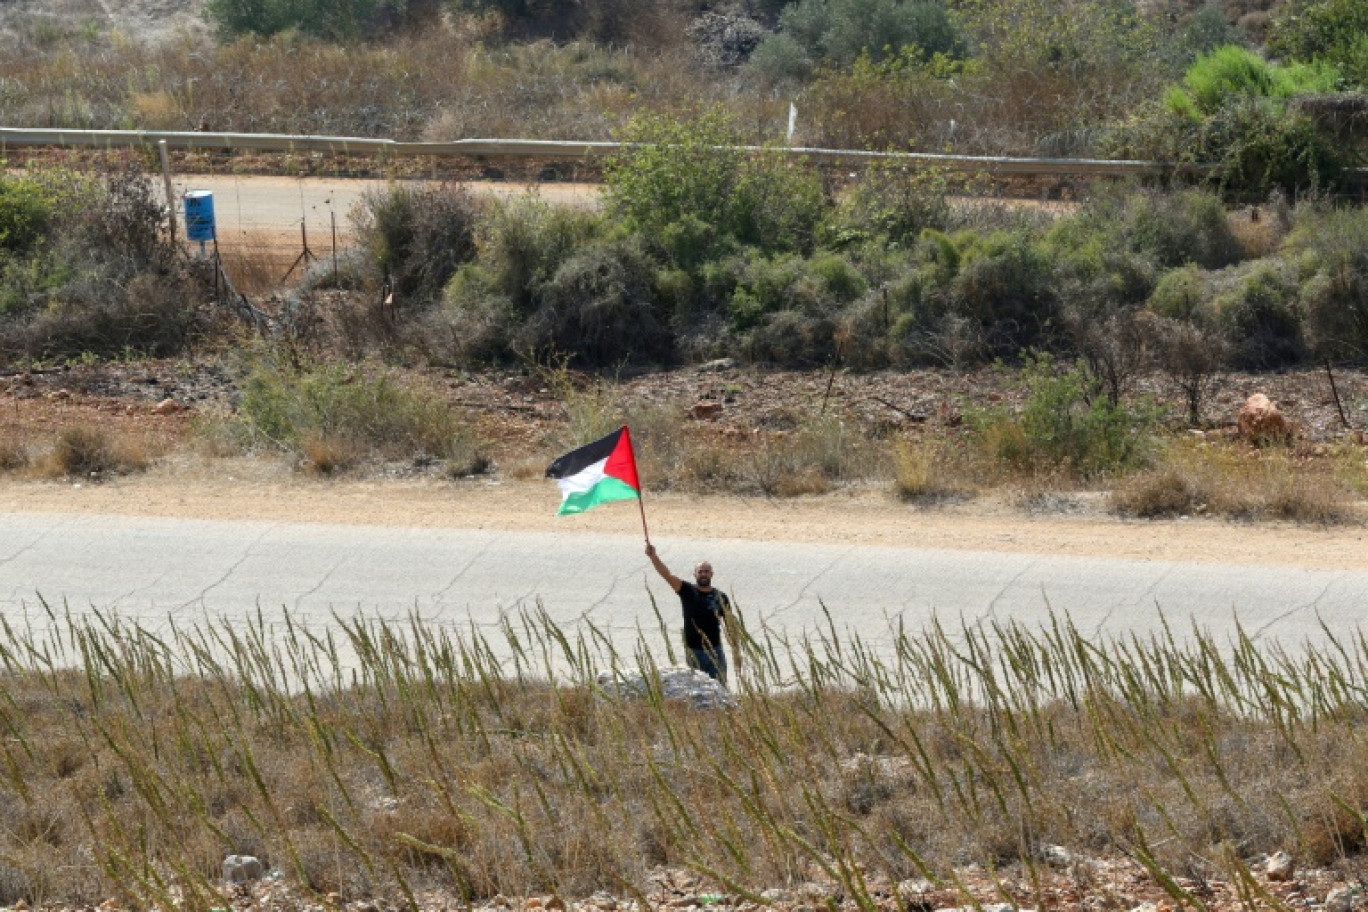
(599,308)
(839,32)
(332,20)
(1232,72)
(1064,425)
(1004,286)
(890,204)
(1171,229)
(677,171)
(1179,294)
(1257,311)
(1330,247)
(338,409)
(1329,31)
(89,269)
(417,238)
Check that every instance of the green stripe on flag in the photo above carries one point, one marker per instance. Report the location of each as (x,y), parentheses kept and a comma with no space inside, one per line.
(606,491)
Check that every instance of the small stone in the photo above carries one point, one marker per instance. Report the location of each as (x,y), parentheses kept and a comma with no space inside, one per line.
(776,895)
(1340,899)
(1279,867)
(167,406)
(603,901)
(533,902)
(334,899)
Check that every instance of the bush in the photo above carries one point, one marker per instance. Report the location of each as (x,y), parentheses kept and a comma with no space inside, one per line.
(689,172)
(1064,425)
(599,308)
(105,279)
(86,451)
(1331,249)
(417,238)
(1258,314)
(333,20)
(334,416)
(892,205)
(838,32)
(1004,285)
(1332,31)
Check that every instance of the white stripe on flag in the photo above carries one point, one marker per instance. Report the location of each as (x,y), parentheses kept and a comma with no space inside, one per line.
(583,480)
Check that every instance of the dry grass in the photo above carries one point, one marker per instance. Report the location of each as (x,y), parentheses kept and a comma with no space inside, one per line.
(382,758)
(1239,482)
(256,262)
(87,451)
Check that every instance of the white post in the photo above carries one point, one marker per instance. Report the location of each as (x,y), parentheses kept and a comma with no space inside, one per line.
(170,194)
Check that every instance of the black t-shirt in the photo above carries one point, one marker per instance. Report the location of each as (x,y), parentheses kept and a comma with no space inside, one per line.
(703,616)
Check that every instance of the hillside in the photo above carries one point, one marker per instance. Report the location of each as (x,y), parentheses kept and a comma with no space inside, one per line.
(145,19)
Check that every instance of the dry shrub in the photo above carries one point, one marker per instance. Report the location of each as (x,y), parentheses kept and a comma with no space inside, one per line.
(928,471)
(327,453)
(256,262)
(14,453)
(88,451)
(1237,482)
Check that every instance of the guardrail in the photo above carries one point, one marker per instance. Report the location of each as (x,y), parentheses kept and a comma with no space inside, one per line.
(533,148)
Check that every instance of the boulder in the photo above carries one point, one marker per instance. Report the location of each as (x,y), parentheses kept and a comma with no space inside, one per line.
(242,868)
(1261,422)
(167,407)
(675,683)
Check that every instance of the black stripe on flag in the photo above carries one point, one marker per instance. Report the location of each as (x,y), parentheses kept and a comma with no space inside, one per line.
(576,461)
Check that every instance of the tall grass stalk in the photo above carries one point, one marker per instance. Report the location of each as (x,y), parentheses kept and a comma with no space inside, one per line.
(386,757)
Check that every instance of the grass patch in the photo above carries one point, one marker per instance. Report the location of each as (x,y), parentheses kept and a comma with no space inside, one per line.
(87,451)
(381,759)
(335,417)
(1237,482)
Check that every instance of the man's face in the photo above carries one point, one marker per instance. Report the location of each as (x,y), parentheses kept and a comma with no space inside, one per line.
(703,574)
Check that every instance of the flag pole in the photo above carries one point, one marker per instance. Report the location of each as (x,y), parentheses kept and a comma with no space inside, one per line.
(642,504)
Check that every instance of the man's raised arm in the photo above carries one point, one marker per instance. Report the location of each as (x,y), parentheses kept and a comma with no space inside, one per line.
(663,570)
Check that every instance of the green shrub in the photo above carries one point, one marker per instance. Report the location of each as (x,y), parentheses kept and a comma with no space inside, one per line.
(838,32)
(1179,294)
(1004,285)
(104,279)
(1230,72)
(892,205)
(333,416)
(1064,425)
(1331,249)
(334,20)
(688,172)
(416,238)
(600,309)
(1333,31)
(1258,314)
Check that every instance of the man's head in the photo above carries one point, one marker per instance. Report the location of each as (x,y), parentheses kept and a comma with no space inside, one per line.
(703,574)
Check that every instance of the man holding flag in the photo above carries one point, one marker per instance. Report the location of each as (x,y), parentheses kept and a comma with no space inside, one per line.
(605,471)
(707,611)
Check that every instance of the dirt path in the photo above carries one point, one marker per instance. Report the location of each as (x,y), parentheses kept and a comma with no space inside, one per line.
(245,491)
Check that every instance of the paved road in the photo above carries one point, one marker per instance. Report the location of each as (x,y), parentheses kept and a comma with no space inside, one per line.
(254,210)
(158,570)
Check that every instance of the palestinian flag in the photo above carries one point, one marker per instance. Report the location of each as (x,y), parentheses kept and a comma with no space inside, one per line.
(598,473)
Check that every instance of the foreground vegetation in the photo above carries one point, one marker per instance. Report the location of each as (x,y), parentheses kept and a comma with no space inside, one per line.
(381,759)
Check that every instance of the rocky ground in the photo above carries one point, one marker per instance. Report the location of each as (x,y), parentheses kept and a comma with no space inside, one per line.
(1063,880)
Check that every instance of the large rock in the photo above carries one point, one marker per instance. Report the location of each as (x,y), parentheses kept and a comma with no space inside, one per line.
(1261,422)
(686,684)
(1340,899)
